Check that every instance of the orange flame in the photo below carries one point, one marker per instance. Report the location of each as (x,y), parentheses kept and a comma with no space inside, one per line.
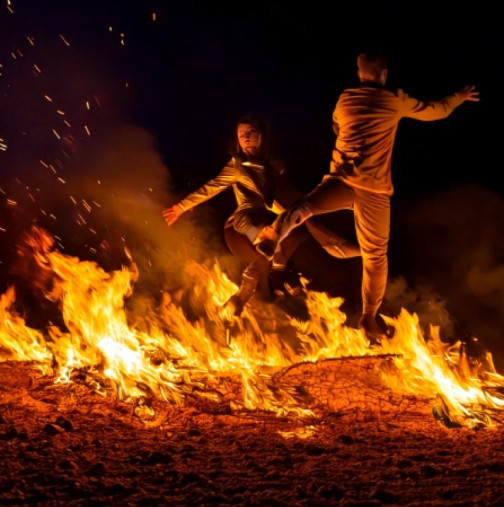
(17,341)
(169,355)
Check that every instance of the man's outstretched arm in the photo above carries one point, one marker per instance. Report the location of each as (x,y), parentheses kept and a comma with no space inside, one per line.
(438,109)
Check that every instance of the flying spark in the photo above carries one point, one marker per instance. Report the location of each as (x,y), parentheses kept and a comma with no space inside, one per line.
(64,40)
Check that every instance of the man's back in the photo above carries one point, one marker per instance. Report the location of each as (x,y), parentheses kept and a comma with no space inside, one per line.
(365,121)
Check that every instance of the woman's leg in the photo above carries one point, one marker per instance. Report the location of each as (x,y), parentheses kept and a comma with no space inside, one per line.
(331,195)
(256,266)
(240,245)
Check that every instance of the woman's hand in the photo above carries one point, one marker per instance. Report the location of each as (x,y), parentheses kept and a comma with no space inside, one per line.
(172,214)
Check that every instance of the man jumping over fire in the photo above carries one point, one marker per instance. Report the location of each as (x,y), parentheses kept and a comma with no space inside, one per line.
(365,122)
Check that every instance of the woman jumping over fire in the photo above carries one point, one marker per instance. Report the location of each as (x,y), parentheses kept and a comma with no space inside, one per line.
(257,181)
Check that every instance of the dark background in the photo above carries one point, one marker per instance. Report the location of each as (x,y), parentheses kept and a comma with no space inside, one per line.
(199,66)
(185,77)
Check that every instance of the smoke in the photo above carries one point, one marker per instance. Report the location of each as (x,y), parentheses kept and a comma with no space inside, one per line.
(80,167)
(111,207)
(425,302)
(124,173)
(452,249)
(110,210)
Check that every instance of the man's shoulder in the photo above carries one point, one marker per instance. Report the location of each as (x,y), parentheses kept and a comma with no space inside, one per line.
(367,89)
(359,94)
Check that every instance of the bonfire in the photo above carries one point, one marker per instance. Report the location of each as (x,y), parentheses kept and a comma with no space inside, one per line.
(244,362)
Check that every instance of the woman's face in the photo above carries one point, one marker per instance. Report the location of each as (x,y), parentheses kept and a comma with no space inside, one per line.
(249,138)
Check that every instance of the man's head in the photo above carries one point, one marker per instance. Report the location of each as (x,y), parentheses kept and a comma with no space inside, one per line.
(372,66)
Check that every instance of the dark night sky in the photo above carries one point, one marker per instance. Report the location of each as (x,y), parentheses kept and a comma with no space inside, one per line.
(199,66)
(287,64)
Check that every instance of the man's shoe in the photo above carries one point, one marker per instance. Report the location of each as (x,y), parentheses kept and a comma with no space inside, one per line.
(374,328)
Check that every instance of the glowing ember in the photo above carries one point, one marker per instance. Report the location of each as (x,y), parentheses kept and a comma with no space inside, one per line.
(64,40)
(301,433)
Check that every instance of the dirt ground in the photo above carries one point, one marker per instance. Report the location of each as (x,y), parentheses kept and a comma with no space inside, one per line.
(67,444)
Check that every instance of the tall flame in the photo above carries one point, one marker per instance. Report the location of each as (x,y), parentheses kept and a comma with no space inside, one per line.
(169,355)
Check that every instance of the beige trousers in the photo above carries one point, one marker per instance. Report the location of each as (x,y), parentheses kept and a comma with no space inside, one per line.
(372,225)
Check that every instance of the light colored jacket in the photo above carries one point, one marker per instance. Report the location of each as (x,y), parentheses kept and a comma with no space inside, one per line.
(254,185)
(365,121)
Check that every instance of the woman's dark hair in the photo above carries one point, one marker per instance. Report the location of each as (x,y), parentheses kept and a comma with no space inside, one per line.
(262,128)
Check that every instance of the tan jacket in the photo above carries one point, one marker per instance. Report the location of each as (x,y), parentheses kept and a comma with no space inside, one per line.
(254,186)
(365,121)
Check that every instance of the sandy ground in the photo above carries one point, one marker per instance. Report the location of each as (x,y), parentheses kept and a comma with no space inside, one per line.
(69,445)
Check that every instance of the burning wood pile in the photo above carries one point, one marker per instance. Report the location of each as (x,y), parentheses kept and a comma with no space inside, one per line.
(265,361)
(186,407)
